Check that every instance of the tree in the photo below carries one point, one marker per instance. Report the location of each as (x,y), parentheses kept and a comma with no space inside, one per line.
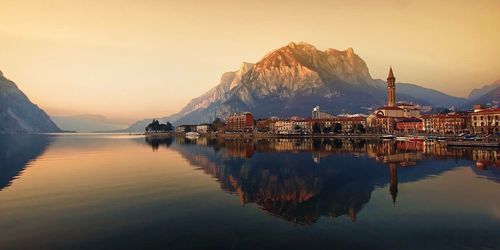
(338,128)
(316,128)
(187,129)
(216,125)
(298,129)
(153,126)
(156,126)
(169,127)
(360,128)
(327,130)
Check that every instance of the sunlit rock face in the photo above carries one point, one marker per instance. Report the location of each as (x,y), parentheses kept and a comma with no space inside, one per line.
(18,114)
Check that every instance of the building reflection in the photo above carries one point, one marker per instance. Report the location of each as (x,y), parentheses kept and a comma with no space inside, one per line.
(281,178)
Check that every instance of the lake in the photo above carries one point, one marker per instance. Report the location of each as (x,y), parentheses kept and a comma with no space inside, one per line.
(102,191)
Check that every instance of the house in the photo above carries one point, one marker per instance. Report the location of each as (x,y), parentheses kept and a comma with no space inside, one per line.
(202,128)
(485,120)
(240,122)
(451,123)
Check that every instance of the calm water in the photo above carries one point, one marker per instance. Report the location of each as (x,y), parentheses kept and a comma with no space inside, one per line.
(121,191)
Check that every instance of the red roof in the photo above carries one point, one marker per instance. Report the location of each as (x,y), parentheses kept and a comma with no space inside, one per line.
(409,119)
(460,115)
(490,110)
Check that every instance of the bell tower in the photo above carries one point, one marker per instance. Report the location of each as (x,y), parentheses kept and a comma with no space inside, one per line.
(391,89)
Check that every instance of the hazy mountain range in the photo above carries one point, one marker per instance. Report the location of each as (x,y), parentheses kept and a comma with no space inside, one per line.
(18,114)
(87,123)
(292,80)
(488,95)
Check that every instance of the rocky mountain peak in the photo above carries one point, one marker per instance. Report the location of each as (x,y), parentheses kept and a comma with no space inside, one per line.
(301,60)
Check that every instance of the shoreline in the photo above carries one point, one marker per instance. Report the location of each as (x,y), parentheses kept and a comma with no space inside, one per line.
(264,135)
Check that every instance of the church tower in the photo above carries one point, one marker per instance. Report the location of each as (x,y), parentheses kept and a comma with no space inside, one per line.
(391,89)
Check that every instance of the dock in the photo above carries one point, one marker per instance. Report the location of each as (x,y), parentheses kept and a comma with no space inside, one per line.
(473,144)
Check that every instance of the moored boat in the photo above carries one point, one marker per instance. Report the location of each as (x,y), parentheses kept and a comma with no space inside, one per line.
(388,137)
(192,134)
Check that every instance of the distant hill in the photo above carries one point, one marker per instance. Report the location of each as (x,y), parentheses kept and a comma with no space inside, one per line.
(438,99)
(476,93)
(292,80)
(86,123)
(18,114)
(489,99)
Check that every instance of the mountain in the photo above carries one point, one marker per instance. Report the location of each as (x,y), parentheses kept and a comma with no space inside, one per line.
(86,123)
(438,99)
(292,80)
(476,93)
(488,95)
(489,99)
(18,114)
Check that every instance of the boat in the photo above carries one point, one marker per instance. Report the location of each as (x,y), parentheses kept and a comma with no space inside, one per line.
(388,137)
(192,135)
(432,138)
(401,138)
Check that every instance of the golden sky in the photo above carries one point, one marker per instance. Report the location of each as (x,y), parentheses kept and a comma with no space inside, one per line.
(136,59)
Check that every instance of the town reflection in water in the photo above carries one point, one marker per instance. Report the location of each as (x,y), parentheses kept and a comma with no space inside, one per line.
(311,178)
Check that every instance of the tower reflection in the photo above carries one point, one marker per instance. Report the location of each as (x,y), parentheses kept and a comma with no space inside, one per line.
(281,177)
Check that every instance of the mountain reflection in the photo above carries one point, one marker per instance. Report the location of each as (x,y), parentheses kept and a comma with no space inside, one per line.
(16,151)
(302,180)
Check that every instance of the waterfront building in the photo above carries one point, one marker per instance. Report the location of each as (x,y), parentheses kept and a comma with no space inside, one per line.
(264,125)
(409,125)
(202,128)
(305,125)
(240,122)
(185,128)
(485,120)
(350,124)
(451,123)
(318,114)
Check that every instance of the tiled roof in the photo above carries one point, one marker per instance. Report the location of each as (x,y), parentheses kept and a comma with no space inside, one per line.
(461,115)
(410,119)
(490,110)
(390,108)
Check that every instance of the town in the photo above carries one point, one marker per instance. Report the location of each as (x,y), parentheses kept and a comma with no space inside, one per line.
(395,118)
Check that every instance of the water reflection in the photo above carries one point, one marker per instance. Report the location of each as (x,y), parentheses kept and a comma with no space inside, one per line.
(16,151)
(157,141)
(301,180)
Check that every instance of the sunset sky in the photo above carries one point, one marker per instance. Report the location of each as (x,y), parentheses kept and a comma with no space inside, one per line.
(136,59)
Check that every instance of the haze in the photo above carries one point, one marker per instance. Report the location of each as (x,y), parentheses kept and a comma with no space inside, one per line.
(135,59)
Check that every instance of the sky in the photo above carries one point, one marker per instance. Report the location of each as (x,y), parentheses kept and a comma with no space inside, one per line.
(140,59)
